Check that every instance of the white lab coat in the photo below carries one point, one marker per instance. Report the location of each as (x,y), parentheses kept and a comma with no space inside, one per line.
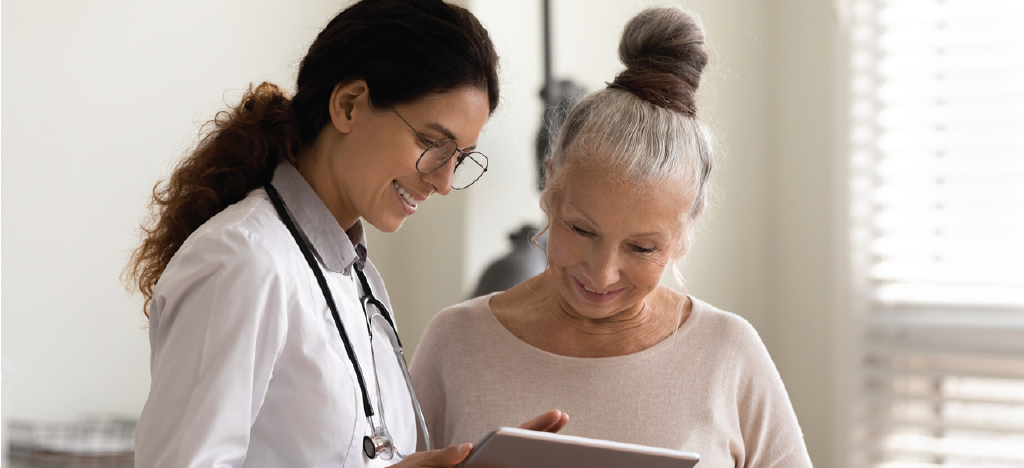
(248,368)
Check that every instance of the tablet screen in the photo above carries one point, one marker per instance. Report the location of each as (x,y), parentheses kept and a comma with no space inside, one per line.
(509,447)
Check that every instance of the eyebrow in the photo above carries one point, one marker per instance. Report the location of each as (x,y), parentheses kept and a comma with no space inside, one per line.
(642,234)
(448,134)
(585,215)
(649,234)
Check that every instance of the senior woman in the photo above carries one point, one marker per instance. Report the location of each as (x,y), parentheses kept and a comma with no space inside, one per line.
(596,334)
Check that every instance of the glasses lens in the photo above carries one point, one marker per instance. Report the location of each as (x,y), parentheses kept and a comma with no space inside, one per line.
(395,404)
(436,155)
(470,168)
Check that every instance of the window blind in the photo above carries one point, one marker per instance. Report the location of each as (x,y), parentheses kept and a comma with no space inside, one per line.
(937,232)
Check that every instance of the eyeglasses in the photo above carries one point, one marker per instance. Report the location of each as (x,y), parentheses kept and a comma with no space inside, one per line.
(469,166)
(381,443)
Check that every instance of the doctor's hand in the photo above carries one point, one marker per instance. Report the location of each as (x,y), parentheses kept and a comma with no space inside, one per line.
(552,421)
(441,458)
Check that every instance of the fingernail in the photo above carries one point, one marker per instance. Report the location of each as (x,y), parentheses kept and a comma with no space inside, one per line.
(465,447)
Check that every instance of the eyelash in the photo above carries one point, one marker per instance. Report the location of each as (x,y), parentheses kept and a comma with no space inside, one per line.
(643,250)
(581,232)
(424,141)
(636,248)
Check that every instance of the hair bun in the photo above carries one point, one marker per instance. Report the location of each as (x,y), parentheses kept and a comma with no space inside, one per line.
(663,50)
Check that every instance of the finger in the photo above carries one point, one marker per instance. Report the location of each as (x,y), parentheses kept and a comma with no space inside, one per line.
(560,424)
(541,422)
(546,421)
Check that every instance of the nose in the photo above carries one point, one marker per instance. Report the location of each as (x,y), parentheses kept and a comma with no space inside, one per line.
(602,268)
(441,178)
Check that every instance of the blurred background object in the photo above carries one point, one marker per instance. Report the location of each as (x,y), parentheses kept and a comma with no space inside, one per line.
(559,97)
(106,441)
(5,377)
(525,260)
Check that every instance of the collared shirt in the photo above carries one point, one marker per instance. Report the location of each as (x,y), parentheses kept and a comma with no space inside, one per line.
(248,367)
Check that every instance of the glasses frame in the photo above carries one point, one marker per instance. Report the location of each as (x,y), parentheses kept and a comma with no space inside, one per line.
(463,155)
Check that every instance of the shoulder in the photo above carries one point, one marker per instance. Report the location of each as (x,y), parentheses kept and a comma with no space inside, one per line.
(723,324)
(254,217)
(468,316)
(232,274)
(457,330)
(246,227)
(770,432)
(245,241)
(730,337)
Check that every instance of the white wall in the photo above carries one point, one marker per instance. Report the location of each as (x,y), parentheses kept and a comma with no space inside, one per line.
(101,99)
(804,247)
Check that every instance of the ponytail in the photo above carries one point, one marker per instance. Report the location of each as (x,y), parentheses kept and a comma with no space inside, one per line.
(242,148)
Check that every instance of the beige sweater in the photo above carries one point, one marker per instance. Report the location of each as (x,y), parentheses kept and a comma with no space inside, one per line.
(710,388)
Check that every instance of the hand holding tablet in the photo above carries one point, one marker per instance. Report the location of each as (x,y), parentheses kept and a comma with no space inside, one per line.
(509,447)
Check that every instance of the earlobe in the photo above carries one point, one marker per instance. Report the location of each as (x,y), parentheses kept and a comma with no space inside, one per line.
(348,101)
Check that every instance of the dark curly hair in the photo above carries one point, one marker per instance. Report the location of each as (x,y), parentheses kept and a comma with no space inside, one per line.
(403,49)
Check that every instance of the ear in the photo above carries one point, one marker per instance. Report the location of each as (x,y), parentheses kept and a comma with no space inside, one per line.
(348,101)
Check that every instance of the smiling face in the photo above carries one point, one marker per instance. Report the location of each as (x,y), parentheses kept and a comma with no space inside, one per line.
(364,165)
(609,242)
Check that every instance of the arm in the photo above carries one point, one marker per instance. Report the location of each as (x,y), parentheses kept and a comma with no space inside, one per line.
(217,327)
(771,433)
(427,374)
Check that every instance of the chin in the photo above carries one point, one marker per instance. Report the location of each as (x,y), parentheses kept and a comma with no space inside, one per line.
(387,226)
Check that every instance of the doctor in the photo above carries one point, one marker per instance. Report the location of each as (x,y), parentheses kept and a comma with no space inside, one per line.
(272,338)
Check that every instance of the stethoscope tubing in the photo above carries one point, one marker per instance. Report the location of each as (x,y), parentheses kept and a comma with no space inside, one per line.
(278,203)
(275,198)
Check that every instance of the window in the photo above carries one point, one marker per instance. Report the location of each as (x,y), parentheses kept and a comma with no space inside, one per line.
(937,232)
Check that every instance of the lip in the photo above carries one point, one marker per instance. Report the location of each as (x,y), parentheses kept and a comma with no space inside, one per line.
(596,297)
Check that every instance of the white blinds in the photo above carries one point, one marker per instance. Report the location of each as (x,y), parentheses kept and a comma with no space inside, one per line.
(937,203)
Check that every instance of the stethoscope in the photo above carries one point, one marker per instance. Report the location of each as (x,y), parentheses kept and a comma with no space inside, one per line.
(379,442)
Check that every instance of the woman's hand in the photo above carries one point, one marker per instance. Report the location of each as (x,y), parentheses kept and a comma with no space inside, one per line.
(552,421)
(440,458)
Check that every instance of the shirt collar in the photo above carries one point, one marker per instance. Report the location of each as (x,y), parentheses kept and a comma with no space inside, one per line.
(337,248)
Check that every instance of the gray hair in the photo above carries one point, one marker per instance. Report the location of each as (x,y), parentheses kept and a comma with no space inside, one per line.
(644,125)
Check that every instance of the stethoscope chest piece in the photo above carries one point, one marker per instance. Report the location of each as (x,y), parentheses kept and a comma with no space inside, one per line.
(375,445)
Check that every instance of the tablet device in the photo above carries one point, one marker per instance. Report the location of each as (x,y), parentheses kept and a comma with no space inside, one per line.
(509,447)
